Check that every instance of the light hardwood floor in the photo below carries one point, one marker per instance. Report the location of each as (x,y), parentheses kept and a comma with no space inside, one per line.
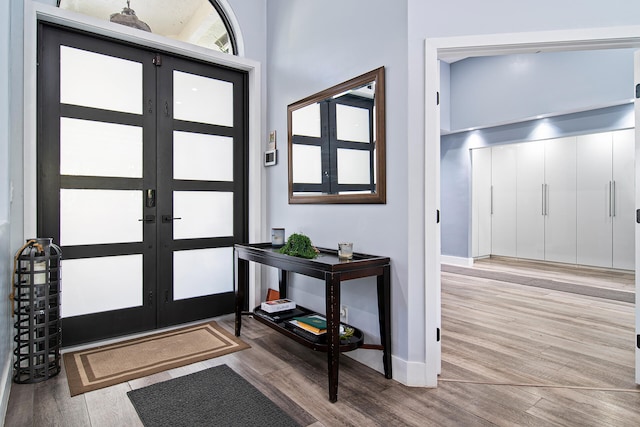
(512,355)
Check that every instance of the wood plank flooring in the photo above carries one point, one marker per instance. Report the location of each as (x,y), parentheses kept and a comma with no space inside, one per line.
(512,356)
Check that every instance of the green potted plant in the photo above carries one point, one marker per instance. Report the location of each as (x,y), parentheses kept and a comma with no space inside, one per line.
(299,245)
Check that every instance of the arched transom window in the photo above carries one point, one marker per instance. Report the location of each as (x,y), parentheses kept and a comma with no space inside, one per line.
(200,22)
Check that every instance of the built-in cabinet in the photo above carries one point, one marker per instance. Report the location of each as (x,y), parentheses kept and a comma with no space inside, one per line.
(560,200)
(567,200)
(481,220)
(503,200)
(605,178)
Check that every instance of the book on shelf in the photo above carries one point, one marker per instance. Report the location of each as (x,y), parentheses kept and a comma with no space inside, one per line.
(294,326)
(313,322)
(278,305)
(310,328)
(280,315)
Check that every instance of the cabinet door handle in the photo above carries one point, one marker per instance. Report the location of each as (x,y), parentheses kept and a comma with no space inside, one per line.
(546,195)
(610,198)
(491,200)
(542,191)
(613,199)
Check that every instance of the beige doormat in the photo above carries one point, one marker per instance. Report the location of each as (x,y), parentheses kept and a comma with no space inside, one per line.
(111,364)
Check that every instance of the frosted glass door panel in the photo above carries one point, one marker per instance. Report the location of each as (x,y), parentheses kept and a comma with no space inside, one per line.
(202,157)
(354,166)
(202,99)
(530,203)
(94,80)
(202,214)
(503,219)
(306,121)
(594,208)
(90,217)
(94,285)
(352,123)
(202,272)
(560,221)
(624,199)
(307,164)
(89,148)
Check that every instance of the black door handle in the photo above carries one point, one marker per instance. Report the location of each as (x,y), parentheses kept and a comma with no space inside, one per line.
(168,218)
(149,218)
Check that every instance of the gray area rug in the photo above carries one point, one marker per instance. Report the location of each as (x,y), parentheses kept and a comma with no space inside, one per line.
(555,285)
(214,397)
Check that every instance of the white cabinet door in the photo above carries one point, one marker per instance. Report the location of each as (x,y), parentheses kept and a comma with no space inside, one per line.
(529,203)
(595,211)
(503,219)
(560,203)
(481,201)
(623,199)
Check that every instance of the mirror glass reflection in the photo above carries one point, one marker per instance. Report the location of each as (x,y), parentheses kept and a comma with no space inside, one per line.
(336,143)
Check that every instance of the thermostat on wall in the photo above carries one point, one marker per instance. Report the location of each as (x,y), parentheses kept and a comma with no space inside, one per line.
(270,157)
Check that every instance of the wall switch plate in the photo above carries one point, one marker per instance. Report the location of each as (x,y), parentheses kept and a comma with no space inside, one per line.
(272,140)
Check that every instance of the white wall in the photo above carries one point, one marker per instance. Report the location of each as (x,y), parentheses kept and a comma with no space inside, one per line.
(470,17)
(312,46)
(495,90)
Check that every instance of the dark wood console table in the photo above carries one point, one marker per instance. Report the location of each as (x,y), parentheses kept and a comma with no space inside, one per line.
(328,267)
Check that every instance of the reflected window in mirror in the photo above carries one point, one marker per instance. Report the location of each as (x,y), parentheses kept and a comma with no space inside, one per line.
(336,143)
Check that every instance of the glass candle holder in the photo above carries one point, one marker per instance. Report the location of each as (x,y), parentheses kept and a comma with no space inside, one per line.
(345,250)
(277,237)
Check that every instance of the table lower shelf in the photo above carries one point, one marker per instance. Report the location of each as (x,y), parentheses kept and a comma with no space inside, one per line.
(273,321)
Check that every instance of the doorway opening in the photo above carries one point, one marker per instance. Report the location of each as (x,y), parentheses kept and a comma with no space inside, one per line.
(437,49)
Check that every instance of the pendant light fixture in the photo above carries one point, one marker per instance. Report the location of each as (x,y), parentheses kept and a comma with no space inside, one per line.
(128,17)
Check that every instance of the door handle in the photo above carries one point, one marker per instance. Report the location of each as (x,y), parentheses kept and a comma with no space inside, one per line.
(149,219)
(169,218)
(610,199)
(491,201)
(613,198)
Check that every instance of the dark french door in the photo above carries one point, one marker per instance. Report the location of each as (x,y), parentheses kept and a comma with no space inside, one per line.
(142,170)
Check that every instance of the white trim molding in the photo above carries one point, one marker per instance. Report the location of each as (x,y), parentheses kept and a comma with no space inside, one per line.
(456,260)
(411,374)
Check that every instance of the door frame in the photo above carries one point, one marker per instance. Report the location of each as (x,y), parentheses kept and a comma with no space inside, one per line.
(474,46)
(35,11)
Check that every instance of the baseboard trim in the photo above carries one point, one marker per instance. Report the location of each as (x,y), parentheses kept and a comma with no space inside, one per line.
(411,374)
(454,260)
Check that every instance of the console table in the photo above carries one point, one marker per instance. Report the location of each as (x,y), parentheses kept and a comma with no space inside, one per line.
(328,267)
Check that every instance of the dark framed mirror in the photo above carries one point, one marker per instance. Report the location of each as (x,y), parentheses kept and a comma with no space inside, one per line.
(336,143)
